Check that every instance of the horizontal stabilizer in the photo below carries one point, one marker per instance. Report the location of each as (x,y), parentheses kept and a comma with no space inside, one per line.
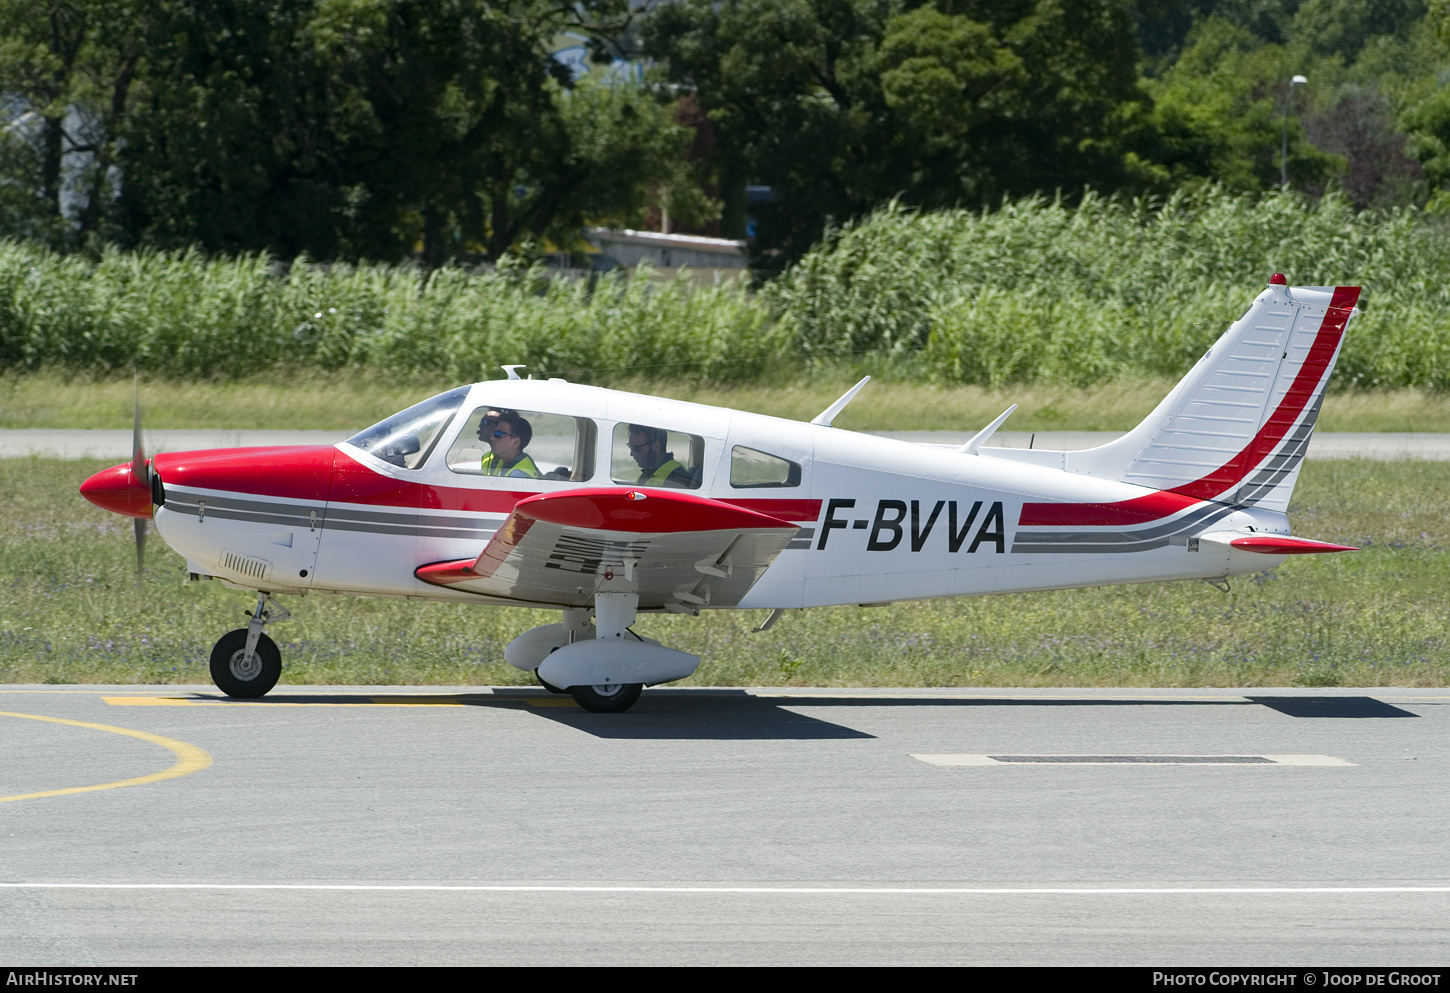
(1283,544)
(1262,543)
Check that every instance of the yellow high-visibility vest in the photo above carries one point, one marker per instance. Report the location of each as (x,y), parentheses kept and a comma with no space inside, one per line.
(524,468)
(661,475)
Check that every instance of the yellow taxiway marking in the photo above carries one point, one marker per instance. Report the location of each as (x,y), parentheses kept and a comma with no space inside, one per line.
(416,701)
(183,701)
(189,758)
(147,701)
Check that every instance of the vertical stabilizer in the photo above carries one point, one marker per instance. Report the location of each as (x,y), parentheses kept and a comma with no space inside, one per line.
(1236,428)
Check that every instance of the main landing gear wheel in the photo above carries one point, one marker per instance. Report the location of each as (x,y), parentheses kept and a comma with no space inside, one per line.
(240,677)
(612,698)
(548,685)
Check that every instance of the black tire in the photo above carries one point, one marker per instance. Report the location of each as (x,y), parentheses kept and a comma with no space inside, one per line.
(245,682)
(547,685)
(615,699)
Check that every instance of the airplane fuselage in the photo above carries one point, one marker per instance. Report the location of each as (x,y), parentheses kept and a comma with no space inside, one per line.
(879,520)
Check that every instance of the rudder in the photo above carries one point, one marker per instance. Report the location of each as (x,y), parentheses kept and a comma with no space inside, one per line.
(1236,428)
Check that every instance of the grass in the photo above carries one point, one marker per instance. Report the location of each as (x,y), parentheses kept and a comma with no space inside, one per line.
(350,399)
(71,611)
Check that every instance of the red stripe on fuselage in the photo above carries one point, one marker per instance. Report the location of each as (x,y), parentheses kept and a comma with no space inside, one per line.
(1168,502)
(782,510)
(1139,510)
(354,482)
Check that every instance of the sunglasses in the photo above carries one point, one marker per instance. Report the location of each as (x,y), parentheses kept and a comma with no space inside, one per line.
(636,449)
(503,434)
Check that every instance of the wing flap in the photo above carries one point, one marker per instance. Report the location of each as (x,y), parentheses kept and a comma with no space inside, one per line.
(678,551)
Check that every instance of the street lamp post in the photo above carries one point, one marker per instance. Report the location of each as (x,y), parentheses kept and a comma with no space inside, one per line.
(1284,151)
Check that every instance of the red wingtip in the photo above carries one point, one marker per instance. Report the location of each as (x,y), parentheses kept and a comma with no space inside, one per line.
(446,573)
(118,490)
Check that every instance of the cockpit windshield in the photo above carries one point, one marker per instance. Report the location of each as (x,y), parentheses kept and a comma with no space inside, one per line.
(406,439)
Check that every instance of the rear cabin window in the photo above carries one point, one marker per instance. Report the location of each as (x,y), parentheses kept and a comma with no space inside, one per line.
(750,469)
(524,444)
(650,455)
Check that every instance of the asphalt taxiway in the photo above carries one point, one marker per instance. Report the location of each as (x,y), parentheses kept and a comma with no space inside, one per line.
(401,825)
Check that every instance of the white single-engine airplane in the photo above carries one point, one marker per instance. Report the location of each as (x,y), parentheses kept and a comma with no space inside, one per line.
(604,504)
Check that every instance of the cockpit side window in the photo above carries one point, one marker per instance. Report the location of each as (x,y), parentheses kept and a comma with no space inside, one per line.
(750,469)
(648,455)
(407,438)
(524,444)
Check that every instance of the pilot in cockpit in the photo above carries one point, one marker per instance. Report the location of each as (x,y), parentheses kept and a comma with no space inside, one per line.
(507,435)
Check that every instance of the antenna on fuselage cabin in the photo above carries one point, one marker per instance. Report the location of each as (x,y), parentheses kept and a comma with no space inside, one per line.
(512,370)
(825,417)
(976,441)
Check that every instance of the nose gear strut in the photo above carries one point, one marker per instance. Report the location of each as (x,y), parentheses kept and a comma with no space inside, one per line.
(245,663)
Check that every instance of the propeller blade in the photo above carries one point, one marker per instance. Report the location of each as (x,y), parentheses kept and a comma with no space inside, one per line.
(139,467)
(141,471)
(140,526)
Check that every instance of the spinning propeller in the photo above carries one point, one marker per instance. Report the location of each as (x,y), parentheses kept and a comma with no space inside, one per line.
(126,489)
(141,472)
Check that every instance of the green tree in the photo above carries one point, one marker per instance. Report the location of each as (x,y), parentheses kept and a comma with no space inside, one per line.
(838,105)
(1219,113)
(364,128)
(68,69)
(1428,119)
(335,128)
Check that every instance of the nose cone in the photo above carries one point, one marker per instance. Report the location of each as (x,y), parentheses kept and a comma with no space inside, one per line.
(118,490)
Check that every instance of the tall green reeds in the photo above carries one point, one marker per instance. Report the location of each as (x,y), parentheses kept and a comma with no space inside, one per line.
(1038,290)
(1032,291)
(182,315)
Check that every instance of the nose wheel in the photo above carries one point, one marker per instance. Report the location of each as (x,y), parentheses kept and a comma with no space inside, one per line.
(240,676)
(245,663)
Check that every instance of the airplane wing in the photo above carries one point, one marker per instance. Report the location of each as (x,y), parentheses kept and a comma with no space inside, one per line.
(678,551)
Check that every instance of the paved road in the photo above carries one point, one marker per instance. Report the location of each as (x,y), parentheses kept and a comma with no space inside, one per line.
(427,826)
(77,444)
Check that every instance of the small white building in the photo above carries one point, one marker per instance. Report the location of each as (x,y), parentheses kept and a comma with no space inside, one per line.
(711,260)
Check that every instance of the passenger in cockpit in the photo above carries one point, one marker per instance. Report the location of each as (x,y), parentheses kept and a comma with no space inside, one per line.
(657,466)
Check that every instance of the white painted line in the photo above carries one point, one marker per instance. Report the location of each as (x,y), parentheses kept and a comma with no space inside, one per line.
(1239,760)
(1306,760)
(787,890)
(957,759)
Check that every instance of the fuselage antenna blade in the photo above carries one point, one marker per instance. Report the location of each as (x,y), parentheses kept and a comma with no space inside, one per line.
(825,417)
(972,446)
